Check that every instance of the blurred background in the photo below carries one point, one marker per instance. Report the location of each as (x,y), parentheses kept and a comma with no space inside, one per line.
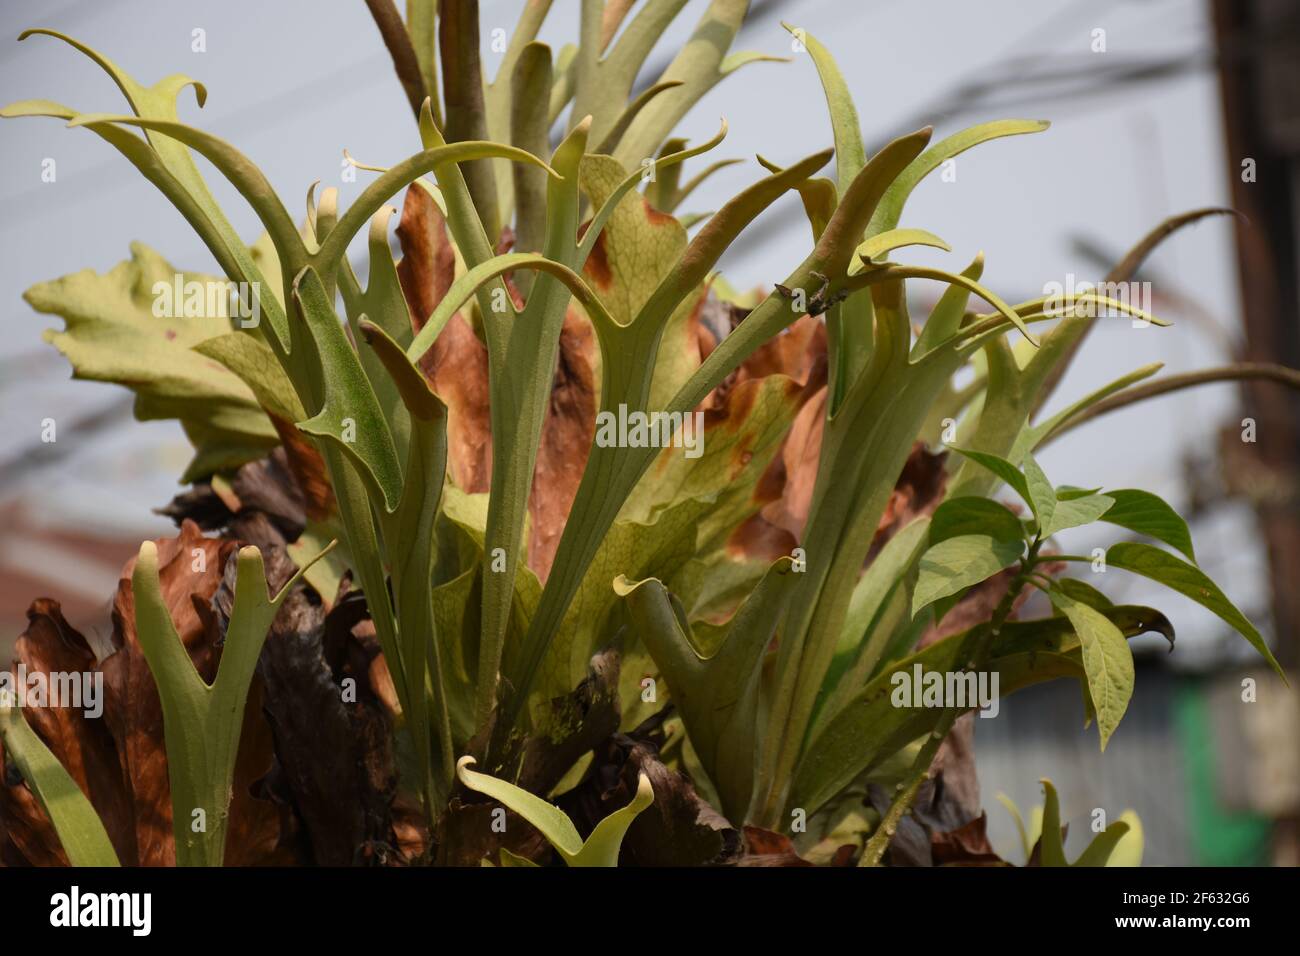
(1157,106)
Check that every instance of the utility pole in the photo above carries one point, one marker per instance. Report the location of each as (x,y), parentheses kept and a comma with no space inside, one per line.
(1259,48)
(1259,77)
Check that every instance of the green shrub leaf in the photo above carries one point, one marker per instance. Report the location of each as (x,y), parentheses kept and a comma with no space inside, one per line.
(1150,515)
(956,563)
(1042,496)
(974,515)
(1002,468)
(1074,512)
(868,729)
(1189,580)
(1107,661)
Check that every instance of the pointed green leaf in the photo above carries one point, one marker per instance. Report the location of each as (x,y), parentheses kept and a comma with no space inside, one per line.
(1030,438)
(202,722)
(441,160)
(610,142)
(1189,580)
(409,541)
(1148,514)
(175,173)
(243,174)
(549,819)
(1072,512)
(697,65)
(530,88)
(957,563)
(868,728)
(1107,661)
(1071,492)
(970,338)
(1042,496)
(79,829)
(1126,852)
(383,303)
(602,847)
(1002,468)
(699,258)
(973,515)
(1103,845)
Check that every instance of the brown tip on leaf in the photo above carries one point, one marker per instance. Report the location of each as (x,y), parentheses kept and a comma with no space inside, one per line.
(368,330)
(766,848)
(759,539)
(654,216)
(597,266)
(308,469)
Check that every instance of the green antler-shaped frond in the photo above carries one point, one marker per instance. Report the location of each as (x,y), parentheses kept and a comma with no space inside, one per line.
(717,695)
(599,849)
(1106,849)
(201,721)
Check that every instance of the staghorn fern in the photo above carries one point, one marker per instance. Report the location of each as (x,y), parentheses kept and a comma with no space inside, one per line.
(500,546)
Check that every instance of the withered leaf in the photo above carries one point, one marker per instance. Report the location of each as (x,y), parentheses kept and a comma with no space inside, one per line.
(456,365)
(567,433)
(81,743)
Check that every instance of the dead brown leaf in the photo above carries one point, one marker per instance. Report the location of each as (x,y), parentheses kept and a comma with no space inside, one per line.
(81,743)
(456,365)
(567,432)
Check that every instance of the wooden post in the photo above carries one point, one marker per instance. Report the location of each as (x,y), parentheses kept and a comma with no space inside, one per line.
(1259,53)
